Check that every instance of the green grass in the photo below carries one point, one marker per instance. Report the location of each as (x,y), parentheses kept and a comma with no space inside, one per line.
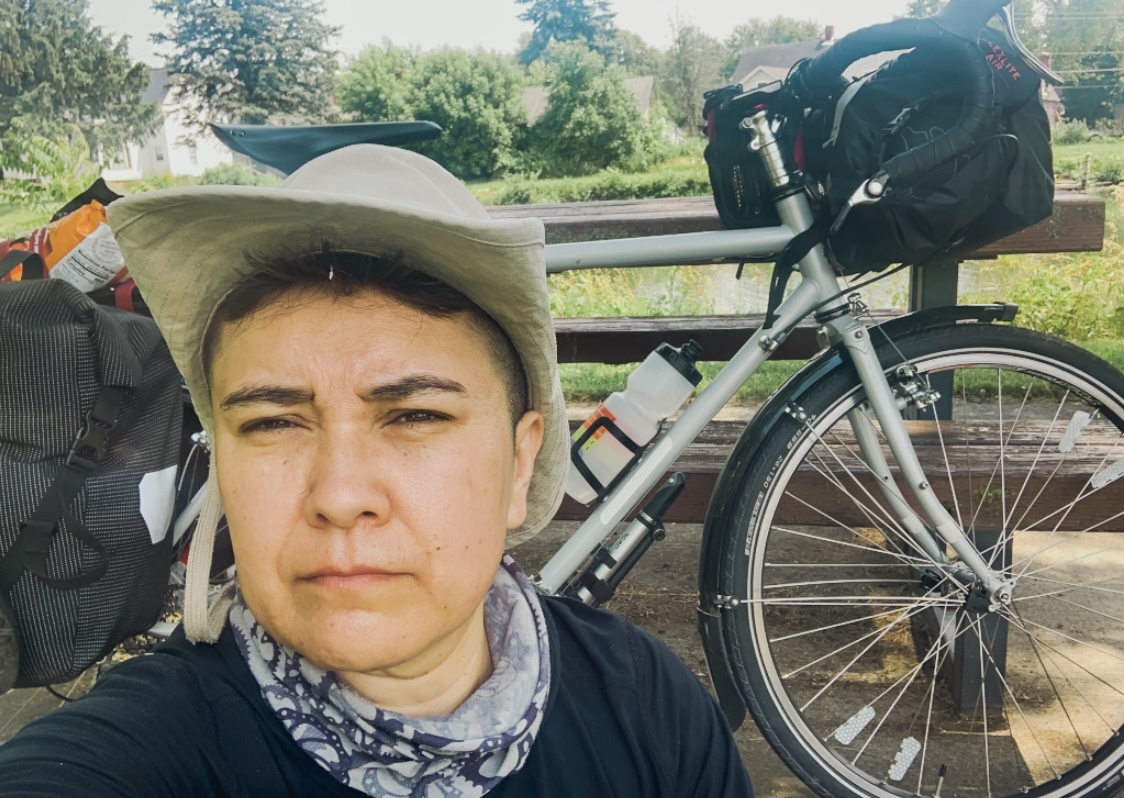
(1106,160)
(18,221)
(592,382)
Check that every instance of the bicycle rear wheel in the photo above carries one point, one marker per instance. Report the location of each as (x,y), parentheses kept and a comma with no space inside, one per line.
(868,666)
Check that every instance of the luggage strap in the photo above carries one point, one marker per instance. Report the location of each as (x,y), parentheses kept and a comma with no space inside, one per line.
(33,542)
(31,262)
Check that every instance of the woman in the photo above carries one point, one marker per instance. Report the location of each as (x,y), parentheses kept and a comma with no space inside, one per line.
(373,359)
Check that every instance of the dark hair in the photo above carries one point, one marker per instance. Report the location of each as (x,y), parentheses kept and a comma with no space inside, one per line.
(277,274)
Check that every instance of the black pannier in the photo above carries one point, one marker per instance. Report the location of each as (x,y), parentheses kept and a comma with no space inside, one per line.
(90,423)
(737,175)
(1003,184)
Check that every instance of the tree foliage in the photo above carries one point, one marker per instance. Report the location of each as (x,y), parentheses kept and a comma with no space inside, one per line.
(1086,40)
(693,64)
(60,72)
(587,21)
(250,61)
(375,85)
(591,121)
(636,56)
(61,163)
(476,97)
(761,32)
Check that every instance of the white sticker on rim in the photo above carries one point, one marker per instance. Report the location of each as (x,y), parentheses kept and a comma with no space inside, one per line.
(847,733)
(157,500)
(1077,425)
(904,758)
(1109,475)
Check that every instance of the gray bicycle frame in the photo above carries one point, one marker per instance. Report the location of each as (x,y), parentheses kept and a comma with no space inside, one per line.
(817,287)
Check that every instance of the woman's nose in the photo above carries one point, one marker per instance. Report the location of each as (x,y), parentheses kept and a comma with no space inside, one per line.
(347,480)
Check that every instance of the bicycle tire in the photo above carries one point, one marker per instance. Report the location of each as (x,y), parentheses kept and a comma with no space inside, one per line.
(888,656)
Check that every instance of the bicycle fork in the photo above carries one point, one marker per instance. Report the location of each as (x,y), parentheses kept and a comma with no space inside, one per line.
(887,409)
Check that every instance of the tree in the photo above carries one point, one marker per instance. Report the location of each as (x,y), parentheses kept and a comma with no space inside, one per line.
(58,71)
(636,56)
(375,85)
(587,21)
(591,121)
(477,98)
(1085,39)
(760,32)
(61,163)
(692,65)
(924,8)
(250,61)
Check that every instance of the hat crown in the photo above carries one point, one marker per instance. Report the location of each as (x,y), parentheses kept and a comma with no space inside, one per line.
(387,175)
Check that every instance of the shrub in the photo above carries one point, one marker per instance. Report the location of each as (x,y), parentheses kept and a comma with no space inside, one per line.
(237,174)
(1072,132)
(686,181)
(61,165)
(477,99)
(591,121)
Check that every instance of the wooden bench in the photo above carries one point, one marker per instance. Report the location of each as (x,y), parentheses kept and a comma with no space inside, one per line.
(1077,225)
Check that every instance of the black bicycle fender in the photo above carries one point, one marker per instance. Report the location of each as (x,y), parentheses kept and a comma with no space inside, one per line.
(725,493)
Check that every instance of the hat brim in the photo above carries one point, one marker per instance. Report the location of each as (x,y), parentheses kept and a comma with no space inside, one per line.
(185,250)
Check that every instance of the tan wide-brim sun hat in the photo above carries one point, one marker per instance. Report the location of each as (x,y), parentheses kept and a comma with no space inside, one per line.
(185,249)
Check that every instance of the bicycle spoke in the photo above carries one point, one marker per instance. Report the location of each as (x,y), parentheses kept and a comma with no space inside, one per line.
(903,558)
(877,521)
(830,626)
(878,635)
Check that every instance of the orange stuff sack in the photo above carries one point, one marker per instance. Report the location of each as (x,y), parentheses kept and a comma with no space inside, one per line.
(79,248)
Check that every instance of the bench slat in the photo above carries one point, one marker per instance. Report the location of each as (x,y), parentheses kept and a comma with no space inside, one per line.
(630,339)
(703,461)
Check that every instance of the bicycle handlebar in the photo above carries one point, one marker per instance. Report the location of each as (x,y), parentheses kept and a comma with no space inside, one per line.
(816,81)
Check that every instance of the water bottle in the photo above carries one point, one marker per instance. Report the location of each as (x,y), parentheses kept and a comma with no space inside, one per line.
(657,388)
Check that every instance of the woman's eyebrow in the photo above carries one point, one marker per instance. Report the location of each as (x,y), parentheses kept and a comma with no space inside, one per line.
(266,395)
(397,390)
(412,385)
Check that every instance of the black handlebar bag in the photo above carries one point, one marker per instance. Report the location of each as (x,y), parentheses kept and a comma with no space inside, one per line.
(1003,184)
(90,416)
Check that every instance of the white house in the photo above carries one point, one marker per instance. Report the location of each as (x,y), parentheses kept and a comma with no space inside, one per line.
(164,152)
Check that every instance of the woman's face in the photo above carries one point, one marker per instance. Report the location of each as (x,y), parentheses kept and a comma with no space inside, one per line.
(369,473)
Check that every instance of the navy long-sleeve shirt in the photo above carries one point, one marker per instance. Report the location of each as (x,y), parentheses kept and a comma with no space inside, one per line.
(624,718)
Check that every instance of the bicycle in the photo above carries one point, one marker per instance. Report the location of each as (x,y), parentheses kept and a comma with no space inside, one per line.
(960,602)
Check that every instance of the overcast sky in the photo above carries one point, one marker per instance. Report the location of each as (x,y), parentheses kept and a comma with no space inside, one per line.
(494,24)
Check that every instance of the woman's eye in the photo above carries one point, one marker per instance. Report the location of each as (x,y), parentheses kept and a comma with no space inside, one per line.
(415,417)
(267,425)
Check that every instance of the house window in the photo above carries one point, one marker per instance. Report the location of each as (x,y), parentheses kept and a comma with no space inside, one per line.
(193,154)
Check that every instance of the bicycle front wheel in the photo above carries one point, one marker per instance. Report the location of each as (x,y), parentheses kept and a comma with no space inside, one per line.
(868,663)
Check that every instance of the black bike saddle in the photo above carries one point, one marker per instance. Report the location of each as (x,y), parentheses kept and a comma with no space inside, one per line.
(288,148)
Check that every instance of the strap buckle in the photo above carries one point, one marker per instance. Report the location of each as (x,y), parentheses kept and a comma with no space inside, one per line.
(90,444)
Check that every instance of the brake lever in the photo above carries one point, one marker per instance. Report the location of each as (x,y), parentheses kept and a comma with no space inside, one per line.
(868,193)
(1007,17)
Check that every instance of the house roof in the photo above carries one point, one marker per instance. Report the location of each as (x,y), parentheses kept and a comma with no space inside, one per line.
(777,56)
(537,98)
(778,59)
(159,85)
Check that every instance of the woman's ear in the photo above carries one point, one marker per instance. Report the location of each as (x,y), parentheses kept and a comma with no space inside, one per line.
(528,440)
